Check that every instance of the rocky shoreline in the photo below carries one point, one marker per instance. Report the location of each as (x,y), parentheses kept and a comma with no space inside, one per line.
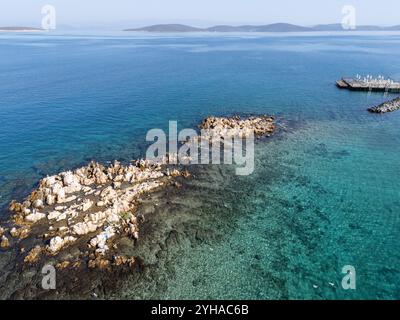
(385,107)
(79,219)
(88,208)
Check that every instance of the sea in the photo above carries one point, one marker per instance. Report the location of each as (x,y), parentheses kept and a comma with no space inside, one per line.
(325,192)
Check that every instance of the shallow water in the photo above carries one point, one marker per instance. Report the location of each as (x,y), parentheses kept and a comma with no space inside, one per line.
(325,192)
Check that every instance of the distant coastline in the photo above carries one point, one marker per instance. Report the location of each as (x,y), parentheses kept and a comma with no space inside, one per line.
(276,27)
(19,29)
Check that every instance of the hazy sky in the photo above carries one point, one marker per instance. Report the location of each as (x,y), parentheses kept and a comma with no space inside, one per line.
(198,12)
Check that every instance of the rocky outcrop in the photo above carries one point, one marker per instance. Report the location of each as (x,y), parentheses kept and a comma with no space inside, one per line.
(92,205)
(257,125)
(385,107)
(77,217)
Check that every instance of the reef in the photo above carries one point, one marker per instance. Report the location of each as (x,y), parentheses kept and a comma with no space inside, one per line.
(82,218)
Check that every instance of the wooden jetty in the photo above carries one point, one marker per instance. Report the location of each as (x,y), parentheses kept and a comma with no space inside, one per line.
(368,85)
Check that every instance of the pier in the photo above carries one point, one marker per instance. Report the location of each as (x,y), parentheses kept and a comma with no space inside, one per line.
(369,83)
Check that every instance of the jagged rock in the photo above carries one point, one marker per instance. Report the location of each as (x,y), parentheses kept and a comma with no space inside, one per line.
(99,263)
(35,216)
(54,215)
(100,240)
(50,199)
(5,243)
(63,265)
(218,127)
(63,229)
(15,206)
(62,216)
(67,200)
(38,203)
(21,233)
(87,204)
(33,255)
(86,189)
(385,107)
(175,173)
(82,228)
(100,204)
(123,261)
(57,243)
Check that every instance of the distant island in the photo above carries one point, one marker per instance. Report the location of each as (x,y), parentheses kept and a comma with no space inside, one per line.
(275,27)
(20,29)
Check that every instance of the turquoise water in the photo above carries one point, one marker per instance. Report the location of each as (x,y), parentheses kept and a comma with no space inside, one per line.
(326,189)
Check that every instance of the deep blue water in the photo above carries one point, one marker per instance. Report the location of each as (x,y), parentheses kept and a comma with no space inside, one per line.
(65,100)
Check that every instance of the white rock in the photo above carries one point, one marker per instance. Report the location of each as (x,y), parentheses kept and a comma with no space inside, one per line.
(87,204)
(128,176)
(119,178)
(63,229)
(69,199)
(50,200)
(68,178)
(57,187)
(74,187)
(100,240)
(60,196)
(62,216)
(53,215)
(97,217)
(38,203)
(82,228)
(57,243)
(86,189)
(34,217)
(100,204)
(50,181)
